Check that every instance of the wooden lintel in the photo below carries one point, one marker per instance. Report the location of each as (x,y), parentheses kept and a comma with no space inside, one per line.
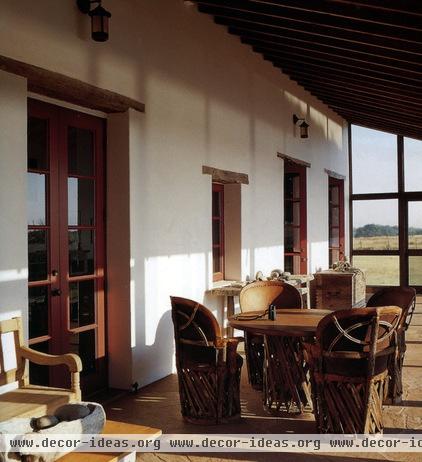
(292,159)
(225,176)
(336,175)
(60,86)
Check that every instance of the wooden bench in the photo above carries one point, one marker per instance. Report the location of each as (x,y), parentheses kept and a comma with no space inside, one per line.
(31,400)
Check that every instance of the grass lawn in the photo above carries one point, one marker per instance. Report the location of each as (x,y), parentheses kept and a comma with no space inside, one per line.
(384,270)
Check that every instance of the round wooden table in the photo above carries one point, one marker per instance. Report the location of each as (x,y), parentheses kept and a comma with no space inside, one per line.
(286,373)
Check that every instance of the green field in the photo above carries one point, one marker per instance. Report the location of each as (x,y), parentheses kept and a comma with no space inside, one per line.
(385,243)
(384,270)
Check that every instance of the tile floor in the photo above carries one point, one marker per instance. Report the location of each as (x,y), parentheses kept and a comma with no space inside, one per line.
(158,406)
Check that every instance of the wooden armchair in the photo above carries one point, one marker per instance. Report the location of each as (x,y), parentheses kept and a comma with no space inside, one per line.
(32,400)
(349,368)
(258,296)
(405,298)
(208,366)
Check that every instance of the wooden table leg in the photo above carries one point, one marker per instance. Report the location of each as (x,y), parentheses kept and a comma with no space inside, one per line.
(230,312)
(286,375)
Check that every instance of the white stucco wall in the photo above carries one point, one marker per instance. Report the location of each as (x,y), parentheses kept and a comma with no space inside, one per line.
(209,101)
(13,224)
(13,217)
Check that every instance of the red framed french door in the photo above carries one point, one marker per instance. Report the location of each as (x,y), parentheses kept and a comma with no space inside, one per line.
(336,219)
(295,220)
(66,241)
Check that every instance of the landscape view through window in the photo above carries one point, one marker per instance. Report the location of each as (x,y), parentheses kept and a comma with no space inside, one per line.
(387,209)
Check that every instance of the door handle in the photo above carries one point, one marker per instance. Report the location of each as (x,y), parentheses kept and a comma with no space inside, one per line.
(56,292)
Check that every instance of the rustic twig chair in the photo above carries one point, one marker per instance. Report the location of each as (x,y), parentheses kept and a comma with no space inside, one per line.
(405,298)
(258,296)
(208,366)
(349,366)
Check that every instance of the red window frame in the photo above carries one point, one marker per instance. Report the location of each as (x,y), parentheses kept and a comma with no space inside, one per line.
(218,220)
(336,183)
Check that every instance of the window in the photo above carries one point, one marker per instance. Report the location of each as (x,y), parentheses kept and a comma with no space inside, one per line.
(295,232)
(386,207)
(218,231)
(335,219)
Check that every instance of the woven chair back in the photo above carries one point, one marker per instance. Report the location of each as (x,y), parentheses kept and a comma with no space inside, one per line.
(193,323)
(404,297)
(357,342)
(259,295)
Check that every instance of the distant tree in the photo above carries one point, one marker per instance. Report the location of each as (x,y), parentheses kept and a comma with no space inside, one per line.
(373,230)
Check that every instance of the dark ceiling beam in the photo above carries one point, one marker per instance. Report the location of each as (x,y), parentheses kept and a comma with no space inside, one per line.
(408,6)
(272,15)
(312,66)
(382,64)
(350,95)
(400,118)
(360,86)
(360,118)
(296,71)
(376,124)
(316,33)
(298,38)
(378,116)
(351,10)
(385,127)
(339,61)
(377,104)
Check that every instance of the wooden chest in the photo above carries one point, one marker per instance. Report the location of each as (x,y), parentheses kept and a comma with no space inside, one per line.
(340,290)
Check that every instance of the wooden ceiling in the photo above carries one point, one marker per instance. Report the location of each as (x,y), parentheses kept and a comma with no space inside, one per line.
(362,58)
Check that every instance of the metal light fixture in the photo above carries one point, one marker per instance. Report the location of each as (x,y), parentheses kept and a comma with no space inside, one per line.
(99,19)
(303,126)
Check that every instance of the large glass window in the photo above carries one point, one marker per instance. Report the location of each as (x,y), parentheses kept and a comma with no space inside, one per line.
(387,207)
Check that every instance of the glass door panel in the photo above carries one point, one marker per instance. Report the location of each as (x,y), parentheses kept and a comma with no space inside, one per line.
(84,245)
(295,245)
(66,241)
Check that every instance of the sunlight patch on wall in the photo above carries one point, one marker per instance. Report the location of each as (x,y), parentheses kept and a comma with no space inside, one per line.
(268,258)
(297,103)
(179,275)
(246,264)
(318,119)
(132,314)
(335,133)
(13,275)
(318,253)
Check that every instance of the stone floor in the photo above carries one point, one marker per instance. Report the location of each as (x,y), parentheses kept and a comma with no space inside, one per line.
(158,406)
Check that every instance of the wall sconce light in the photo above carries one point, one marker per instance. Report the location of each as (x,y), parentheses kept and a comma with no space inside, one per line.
(99,19)
(303,126)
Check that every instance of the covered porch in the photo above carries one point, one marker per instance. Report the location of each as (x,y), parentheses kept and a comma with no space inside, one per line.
(187,149)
